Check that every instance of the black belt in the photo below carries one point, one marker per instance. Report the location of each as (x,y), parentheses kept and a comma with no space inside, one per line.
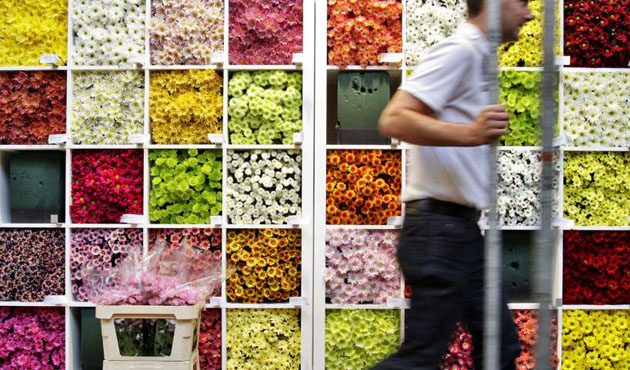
(443,208)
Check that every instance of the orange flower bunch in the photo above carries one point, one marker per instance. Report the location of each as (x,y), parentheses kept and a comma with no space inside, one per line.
(265,265)
(359,31)
(362,186)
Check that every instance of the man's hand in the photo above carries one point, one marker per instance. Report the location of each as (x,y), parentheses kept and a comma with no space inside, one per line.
(491,123)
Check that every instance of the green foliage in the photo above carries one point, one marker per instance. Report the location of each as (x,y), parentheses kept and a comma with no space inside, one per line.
(519,92)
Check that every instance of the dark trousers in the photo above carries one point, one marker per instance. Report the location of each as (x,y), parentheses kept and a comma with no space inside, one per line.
(442,258)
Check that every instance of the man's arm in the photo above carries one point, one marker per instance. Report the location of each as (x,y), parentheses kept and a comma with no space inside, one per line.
(410,120)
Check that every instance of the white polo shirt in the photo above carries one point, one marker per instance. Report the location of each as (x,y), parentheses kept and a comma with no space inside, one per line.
(450,80)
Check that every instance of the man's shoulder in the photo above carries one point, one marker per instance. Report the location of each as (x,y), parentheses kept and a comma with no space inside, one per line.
(455,46)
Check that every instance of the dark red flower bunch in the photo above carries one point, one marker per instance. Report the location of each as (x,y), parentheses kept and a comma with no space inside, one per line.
(210,340)
(459,353)
(265,32)
(596,267)
(105,185)
(597,33)
(32,106)
(33,264)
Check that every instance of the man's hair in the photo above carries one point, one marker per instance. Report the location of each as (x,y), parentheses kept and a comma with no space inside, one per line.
(474,7)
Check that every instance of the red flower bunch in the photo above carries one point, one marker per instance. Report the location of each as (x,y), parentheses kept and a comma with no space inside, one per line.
(359,31)
(32,106)
(362,186)
(265,32)
(210,340)
(527,325)
(105,185)
(596,268)
(597,33)
(459,353)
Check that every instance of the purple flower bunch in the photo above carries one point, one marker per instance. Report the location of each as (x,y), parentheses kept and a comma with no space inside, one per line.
(32,338)
(102,249)
(33,264)
(361,266)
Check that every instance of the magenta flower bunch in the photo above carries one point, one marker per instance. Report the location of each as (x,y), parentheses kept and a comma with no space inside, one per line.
(103,249)
(33,264)
(32,338)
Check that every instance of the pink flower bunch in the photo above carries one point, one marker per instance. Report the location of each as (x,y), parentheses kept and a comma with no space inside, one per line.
(361,266)
(527,324)
(32,338)
(265,32)
(459,353)
(100,248)
(105,185)
(210,340)
(33,264)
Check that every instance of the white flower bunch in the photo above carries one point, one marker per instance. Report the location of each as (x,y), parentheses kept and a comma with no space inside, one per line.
(263,186)
(108,107)
(107,32)
(428,22)
(596,108)
(519,187)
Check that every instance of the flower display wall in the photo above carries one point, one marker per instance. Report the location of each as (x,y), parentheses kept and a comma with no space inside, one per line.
(100,248)
(33,106)
(596,108)
(597,33)
(33,264)
(266,263)
(105,185)
(360,31)
(264,186)
(519,187)
(265,107)
(268,339)
(595,339)
(358,339)
(459,353)
(595,266)
(185,106)
(428,22)
(361,266)
(528,50)
(185,32)
(597,188)
(107,32)
(108,107)
(185,186)
(210,340)
(362,186)
(32,338)
(265,32)
(519,92)
(30,28)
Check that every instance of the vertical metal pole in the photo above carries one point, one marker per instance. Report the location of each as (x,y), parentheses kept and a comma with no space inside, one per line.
(544,247)
(492,299)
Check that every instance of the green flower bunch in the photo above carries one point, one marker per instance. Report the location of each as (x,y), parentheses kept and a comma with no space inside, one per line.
(358,339)
(597,339)
(185,186)
(263,339)
(265,107)
(519,92)
(597,188)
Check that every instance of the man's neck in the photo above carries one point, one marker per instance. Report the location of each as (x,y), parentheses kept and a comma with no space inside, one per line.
(480,22)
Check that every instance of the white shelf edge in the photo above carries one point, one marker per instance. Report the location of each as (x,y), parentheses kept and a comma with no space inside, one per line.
(105,226)
(105,146)
(598,228)
(264,226)
(595,149)
(264,147)
(359,306)
(366,147)
(360,68)
(365,227)
(595,307)
(32,68)
(28,304)
(182,226)
(182,146)
(32,226)
(280,67)
(523,306)
(32,147)
(266,306)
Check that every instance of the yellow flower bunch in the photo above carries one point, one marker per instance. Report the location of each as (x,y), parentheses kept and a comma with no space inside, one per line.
(30,28)
(266,265)
(263,339)
(528,50)
(185,106)
(597,188)
(595,340)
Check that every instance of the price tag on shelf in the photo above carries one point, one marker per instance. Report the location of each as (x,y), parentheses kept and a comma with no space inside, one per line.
(217,58)
(49,59)
(216,220)
(57,139)
(298,137)
(483,222)
(216,138)
(298,58)
(54,219)
(215,301)
(395,142)
(561,222)
(297,220)
(559,141)
(298,301)
(131,219)
(404,303)
(57,300)
(395,221)
(140,138)
(562,60)
(391,58)
(137,59)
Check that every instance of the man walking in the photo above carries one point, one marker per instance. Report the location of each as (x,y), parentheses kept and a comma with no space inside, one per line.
(442,109)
